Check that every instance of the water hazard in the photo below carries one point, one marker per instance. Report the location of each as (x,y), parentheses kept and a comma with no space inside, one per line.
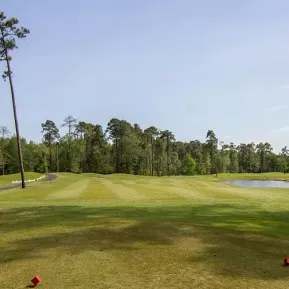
(258,184)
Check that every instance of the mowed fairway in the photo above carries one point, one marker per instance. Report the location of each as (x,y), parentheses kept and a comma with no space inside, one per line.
(120,231)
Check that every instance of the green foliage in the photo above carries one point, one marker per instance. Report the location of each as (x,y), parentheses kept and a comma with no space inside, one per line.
(45,164)
(126,148)
(189,166)
(212,147)
(3,133)
(9,32)
(1,161)
(51,134)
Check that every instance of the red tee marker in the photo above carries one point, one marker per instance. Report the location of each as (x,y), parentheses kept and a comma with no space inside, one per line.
(286,261)
(36,280)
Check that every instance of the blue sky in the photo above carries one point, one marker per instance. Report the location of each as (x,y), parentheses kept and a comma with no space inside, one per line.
(187,66)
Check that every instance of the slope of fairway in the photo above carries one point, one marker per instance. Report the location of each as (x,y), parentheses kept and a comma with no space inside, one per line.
(120,231)
(7,179)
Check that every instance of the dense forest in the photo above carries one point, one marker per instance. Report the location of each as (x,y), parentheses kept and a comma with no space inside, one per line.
(126,148)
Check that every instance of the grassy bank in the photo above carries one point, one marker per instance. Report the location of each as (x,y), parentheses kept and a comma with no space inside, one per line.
(6,180)
(246,176)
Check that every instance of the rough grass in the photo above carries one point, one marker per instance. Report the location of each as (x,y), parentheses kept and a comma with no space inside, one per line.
(119,231)
(6,180)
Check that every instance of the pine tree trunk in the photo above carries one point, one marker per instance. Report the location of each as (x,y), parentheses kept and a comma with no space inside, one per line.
(152,172)
(20,156)
(3,156)
(168,164)
(57,159)
(68,155)
(50,158)
(116,156)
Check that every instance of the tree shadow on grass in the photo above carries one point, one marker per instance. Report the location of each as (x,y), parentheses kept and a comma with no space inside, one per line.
(225,231)
(99,239)
(243,254)
(237,217)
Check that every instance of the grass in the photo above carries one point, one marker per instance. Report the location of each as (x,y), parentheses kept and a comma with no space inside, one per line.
(7,180)
(246,176)
(120,231)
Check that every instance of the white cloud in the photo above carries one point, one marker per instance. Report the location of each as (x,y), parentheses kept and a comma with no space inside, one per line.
(273,109)
(284,86)
(281,129)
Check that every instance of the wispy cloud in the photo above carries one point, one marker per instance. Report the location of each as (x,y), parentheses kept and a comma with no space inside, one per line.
(284,86)
(273,109)
(281,129)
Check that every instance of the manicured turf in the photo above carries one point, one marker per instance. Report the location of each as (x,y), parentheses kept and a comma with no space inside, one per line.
(7,180)
(120,231)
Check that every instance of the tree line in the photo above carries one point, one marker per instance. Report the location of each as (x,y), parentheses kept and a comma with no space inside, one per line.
(123,147)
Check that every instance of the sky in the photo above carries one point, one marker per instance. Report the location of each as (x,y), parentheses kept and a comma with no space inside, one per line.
(183,65)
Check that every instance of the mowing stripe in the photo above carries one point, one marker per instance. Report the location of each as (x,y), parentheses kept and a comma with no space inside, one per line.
(128,182)
(188,194)
(121,191)
(2,193)
(153,192)
(73,191)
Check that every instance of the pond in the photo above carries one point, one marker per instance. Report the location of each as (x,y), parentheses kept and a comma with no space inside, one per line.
(258,184)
